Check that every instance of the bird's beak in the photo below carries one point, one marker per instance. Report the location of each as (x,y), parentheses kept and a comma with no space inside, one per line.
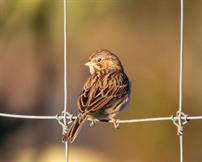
(91,66)
(88,63)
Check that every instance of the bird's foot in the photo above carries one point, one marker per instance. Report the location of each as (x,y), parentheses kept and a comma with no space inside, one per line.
(93,122)
(115,122)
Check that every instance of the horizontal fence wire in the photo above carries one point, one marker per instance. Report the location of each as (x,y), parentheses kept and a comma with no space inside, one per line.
(6,115)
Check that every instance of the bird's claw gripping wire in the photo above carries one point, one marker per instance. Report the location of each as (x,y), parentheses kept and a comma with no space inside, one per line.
(115,122)
(64,119)
(179,120)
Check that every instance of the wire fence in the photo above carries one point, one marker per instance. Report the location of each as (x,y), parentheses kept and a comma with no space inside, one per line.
(64,119)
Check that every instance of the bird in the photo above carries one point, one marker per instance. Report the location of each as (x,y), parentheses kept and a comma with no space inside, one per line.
(105,93)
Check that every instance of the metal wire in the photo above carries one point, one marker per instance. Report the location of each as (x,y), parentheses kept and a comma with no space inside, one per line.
(65,55)
(181,148)
(181,54)
(65,78)
(180,127)
(32,117)
(27,116)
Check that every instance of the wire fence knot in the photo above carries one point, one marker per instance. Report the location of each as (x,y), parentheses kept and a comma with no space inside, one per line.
(64,119)
(179,120)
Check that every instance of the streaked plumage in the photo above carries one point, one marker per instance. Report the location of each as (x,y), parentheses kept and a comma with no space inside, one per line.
(105,93)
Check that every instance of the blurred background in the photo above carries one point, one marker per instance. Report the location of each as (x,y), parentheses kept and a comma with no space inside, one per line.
(143,33)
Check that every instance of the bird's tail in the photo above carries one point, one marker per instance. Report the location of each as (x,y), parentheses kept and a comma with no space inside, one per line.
(75,128)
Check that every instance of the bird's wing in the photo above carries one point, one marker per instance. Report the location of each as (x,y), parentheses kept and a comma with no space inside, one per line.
(99,92)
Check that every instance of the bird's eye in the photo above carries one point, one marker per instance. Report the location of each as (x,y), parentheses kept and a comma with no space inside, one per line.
(99,59)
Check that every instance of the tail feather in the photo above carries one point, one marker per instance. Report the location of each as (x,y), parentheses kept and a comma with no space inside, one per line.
(74,129)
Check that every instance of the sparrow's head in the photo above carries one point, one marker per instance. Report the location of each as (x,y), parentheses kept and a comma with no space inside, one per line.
(103,59)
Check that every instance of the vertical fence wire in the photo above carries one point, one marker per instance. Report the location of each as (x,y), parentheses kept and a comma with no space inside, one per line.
(65,73)
(181,73)
(181,54)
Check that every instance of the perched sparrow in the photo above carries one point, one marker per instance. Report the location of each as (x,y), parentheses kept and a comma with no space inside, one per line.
(105,93)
